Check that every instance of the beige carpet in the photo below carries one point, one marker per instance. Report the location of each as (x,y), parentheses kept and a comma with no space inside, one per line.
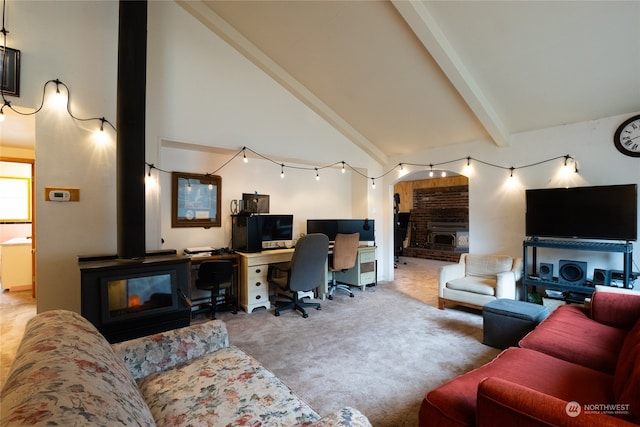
(379,352)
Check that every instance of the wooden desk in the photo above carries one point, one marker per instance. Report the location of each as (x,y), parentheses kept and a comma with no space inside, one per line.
(253,267)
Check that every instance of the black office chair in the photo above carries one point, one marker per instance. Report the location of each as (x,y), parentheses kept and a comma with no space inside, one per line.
(217,276)
(345,253)
(303,274)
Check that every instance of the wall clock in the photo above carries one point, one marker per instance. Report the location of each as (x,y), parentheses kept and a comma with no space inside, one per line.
(627,137)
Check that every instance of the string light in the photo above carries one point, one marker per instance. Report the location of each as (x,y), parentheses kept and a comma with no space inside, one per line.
(431,171)
(343,169)
(373,183)
(282,170)
(317,175)
(244,155)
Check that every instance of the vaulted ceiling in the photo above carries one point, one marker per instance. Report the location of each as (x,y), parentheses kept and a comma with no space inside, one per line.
(400,76)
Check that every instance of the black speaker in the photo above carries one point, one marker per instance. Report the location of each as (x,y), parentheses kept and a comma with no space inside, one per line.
(601,277)
(545,271)
(572,272)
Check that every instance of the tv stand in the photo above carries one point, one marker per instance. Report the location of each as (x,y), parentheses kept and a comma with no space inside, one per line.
(531,279)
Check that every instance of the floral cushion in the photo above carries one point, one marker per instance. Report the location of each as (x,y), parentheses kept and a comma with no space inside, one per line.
(65,373)
(228,388)
(155,353)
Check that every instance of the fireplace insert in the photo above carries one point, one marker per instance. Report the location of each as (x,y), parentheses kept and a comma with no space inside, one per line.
(126,299)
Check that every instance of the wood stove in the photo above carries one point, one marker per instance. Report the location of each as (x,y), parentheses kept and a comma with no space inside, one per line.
(127,299)
(452,236)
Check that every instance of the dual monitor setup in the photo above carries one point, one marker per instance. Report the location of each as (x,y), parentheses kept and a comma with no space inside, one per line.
(253,233)
(254,229)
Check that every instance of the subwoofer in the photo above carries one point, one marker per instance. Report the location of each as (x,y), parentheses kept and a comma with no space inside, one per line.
(545,271)
(601,277)
(572,272)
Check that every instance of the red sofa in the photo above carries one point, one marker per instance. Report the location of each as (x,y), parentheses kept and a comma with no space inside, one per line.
(578,367)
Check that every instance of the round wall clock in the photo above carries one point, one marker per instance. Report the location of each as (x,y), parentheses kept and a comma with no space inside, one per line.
(627,137)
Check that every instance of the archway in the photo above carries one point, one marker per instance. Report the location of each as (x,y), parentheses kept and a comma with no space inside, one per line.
(431,216)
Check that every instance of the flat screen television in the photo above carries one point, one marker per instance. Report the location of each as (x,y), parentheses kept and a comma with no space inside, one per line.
(331,227)
(607,212)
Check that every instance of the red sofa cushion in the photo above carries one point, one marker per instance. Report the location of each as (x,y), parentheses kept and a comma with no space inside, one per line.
(626,382)
(454,403)
(569,334)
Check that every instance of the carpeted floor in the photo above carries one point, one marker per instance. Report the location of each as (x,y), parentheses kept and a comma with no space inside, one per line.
(379,352)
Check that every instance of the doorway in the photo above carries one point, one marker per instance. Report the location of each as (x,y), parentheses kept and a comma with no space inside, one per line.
(17,221)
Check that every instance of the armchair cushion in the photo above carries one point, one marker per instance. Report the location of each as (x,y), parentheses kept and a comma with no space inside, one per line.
(477,285)
(487,265)
(478,279)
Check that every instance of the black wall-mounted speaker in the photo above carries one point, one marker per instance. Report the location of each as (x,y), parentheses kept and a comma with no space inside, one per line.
(545,271)
(572,272)
(601,277)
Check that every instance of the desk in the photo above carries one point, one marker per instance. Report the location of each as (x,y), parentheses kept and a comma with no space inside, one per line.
(198,296)
(253,268)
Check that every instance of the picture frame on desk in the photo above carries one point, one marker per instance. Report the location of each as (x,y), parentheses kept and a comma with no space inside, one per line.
(195,200)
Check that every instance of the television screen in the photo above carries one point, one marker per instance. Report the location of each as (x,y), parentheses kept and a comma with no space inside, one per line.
(276,227)
(331,227)
(608,212)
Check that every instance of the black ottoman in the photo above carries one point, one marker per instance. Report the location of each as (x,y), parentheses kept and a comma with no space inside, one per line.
(506,321)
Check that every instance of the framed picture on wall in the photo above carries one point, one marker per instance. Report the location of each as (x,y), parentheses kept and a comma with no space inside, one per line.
(195,200)
(10,71)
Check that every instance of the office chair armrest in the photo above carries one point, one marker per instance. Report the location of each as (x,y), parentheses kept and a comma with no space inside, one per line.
(276,270)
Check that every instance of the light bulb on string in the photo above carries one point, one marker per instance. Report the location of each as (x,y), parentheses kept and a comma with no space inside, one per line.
(100,136)
(443,174)
(343,170)
(317,175)
(282,170)
(244,155)
(431,171)
(59,100)
(373,183)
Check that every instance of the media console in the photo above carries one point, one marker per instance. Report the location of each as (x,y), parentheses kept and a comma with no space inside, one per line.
(532,279)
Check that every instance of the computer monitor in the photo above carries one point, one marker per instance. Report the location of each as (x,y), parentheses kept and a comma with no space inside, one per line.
(331,227)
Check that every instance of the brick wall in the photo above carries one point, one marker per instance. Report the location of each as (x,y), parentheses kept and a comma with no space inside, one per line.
(440,204)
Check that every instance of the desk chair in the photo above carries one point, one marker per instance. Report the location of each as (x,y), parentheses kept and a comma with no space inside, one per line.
(217,276)
(302,274)
(345,252)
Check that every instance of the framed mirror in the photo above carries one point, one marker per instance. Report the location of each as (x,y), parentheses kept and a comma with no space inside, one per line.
(195,200)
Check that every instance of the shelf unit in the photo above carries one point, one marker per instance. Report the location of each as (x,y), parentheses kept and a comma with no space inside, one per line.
(626,249)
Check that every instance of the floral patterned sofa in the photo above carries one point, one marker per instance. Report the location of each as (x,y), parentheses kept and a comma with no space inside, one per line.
(66,373)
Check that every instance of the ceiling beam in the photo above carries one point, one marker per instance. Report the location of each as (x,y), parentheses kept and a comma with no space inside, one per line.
(219,26)
(425,27)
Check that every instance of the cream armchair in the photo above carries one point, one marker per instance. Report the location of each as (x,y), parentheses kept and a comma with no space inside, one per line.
(479,279)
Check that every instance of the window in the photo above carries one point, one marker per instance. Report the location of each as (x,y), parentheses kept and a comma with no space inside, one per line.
(15,199)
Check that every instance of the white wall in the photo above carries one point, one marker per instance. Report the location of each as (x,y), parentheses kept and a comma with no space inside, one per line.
(202,92)
(199,92)
(497,211)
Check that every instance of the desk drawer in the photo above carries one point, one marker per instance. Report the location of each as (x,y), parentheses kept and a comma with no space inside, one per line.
(257,286)
(367,256)
(366,278)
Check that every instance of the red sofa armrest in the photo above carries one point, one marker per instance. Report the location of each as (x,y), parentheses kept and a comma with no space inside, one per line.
(501,402)
(615,309)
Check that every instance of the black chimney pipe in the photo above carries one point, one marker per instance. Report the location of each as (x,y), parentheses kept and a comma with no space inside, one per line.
(130,116)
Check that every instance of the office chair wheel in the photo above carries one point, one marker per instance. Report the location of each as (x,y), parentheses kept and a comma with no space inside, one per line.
(235,311)
(318,308)
(351,294)
(330,296)
(305,315)
(277,313)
